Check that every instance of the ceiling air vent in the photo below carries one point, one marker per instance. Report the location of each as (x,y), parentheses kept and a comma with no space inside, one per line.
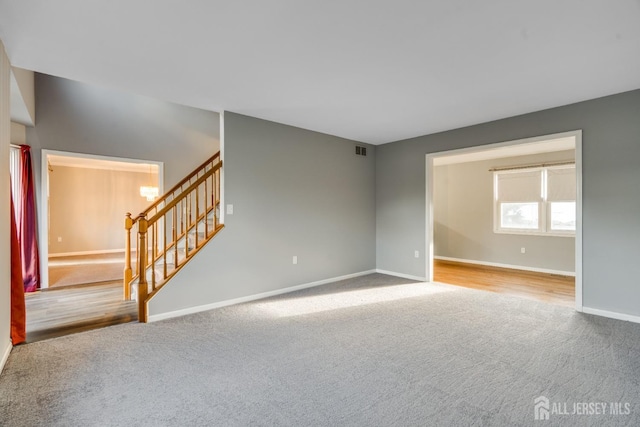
(361,151)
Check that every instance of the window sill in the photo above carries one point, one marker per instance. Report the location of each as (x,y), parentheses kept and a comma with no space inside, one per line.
(535,233)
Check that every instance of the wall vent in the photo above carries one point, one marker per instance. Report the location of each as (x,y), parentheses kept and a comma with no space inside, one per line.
(361,151)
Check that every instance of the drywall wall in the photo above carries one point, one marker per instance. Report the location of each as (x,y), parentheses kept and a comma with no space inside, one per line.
(463,218)
(294,192)
(5,218)
(18,134)
(82,118)
(611,195)
(87,206)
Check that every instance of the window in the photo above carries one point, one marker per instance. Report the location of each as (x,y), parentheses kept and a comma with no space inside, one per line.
(540,200)
(14,171)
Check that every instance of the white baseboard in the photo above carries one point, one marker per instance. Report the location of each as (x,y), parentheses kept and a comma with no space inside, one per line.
(511,266)
(104,251)
(402,275)
(611,314)
(5,356)
(206,307)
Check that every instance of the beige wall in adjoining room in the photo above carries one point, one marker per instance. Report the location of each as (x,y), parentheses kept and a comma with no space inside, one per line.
(87,207)
(463,218)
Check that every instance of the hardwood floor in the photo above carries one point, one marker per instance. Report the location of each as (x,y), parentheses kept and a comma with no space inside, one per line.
(82,269)
(549,288)
(61,311)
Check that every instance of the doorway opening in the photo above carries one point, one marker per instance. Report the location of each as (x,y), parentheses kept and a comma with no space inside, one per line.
(506,218)
(84,199)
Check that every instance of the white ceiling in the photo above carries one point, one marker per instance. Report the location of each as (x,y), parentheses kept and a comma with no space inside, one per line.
(370,70)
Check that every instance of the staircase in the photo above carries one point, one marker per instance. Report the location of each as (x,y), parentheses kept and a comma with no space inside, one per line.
(170,232)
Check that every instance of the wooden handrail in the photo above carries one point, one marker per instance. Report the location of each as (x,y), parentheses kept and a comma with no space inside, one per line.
(187,190)
(179,184)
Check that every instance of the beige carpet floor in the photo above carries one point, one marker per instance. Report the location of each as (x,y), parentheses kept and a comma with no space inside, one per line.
(369,351)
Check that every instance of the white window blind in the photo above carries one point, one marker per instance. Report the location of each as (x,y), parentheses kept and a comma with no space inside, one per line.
(520,186)
(561,184)
(539,199)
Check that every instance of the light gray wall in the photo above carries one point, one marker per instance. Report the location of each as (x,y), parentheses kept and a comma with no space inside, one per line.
(82,118)
(611,194)
(463,218)
(294,192)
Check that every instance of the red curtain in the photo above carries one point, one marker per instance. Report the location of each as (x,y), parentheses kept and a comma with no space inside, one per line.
(18,311)
(26,222)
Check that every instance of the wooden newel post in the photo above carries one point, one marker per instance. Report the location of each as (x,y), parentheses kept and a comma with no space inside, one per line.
(142,267)
(128,274)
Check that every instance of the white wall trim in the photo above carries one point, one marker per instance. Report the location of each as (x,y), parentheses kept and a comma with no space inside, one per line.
(429,250)
(104,251)
(5,356)
(43,216)
(611,314)
(220,304)
(576,134)
(222,174)
(510,266)
(578,242)
(401,275)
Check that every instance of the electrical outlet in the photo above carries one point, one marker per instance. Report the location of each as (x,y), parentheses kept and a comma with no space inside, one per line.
(229,209)
(416,254)
(523,250)
(59,239)
(295,259)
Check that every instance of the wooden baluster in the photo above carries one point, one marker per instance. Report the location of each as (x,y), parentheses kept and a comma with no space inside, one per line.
(155,241)
(128,223)
(197,191)
(154,246)
(216,199)
(189,217)
(191,211)
(142,267)
(206,210)
(175,236)
(182,213)
(164,249)
(186,226)
(214,196)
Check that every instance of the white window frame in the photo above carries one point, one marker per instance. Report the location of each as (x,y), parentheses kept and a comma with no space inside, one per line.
(14,170)
(544,206)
